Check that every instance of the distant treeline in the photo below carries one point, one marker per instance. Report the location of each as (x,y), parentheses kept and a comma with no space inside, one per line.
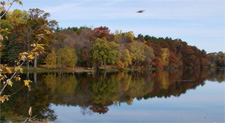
(87,47)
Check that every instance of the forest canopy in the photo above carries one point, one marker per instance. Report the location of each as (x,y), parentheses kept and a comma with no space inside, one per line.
(95,47)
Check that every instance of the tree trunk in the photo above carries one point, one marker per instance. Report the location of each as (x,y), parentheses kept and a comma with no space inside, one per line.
(28,45)
(139,64)
(134,65)
(97,66)
(35,78)
(104,64)
(28,75)
(35,62)
(104,75)
(27,63)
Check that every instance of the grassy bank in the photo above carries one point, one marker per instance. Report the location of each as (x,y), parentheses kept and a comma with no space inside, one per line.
(43,69)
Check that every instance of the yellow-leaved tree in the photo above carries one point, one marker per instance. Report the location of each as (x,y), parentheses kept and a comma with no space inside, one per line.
(50,60)
(165,56)
(30,55)
(68,60)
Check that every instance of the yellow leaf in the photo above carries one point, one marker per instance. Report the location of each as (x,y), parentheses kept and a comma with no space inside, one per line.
(47,31)
(8,70)
(18,78)
(5,76)
(33,45)
(27,82)
(3,98)
(21,70)
(8,4)
(10,83)
(31,57)
(16,68)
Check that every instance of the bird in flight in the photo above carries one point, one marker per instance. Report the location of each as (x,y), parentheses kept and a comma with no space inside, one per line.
(140,11)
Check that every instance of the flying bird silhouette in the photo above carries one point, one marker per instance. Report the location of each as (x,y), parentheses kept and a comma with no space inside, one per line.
(140,11)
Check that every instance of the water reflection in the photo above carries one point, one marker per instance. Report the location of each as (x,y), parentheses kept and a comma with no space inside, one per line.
(94,93)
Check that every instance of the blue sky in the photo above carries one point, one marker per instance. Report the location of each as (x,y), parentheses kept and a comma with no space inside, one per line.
(200,23)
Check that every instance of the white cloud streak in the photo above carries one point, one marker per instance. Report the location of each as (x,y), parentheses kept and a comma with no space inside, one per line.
(196,19)
(87,10)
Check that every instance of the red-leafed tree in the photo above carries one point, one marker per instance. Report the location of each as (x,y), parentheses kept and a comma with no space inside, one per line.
(100,32)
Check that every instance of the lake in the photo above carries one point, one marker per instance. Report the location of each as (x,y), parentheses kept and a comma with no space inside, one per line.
(191,96)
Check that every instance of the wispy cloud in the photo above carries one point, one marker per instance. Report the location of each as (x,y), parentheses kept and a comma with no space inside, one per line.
(202,19)
(117,9)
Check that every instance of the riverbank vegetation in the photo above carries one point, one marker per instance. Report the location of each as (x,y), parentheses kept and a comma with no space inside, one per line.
(94,48)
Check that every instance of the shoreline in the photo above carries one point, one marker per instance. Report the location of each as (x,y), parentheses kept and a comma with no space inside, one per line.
(42,69)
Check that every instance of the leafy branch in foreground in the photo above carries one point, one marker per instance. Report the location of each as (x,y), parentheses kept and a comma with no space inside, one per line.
(6,4)
(23,57)
(13,74)
(9,5)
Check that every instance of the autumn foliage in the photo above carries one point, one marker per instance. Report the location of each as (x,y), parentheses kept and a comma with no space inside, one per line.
(87,47)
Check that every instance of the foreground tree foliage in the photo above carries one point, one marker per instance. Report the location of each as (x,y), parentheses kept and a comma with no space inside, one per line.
(12,34)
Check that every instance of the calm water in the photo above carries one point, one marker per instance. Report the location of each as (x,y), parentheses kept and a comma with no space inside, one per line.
(160,96)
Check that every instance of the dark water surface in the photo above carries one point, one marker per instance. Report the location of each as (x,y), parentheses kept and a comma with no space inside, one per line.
(158,96)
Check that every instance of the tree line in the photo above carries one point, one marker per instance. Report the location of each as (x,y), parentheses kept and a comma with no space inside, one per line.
(93,48)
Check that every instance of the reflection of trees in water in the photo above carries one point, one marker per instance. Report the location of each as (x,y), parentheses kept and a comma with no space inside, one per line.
(62,86)
(95,92)
(16,109)
(103,91)
(217,75)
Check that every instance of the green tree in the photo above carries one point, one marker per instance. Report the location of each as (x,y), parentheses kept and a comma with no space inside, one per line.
(13,26)
(124,59)
(50,59)
(130,36)
(38,25)
(137,53)
(149,55)
(220,59)
(104,52)
(12,50)
(66,57)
